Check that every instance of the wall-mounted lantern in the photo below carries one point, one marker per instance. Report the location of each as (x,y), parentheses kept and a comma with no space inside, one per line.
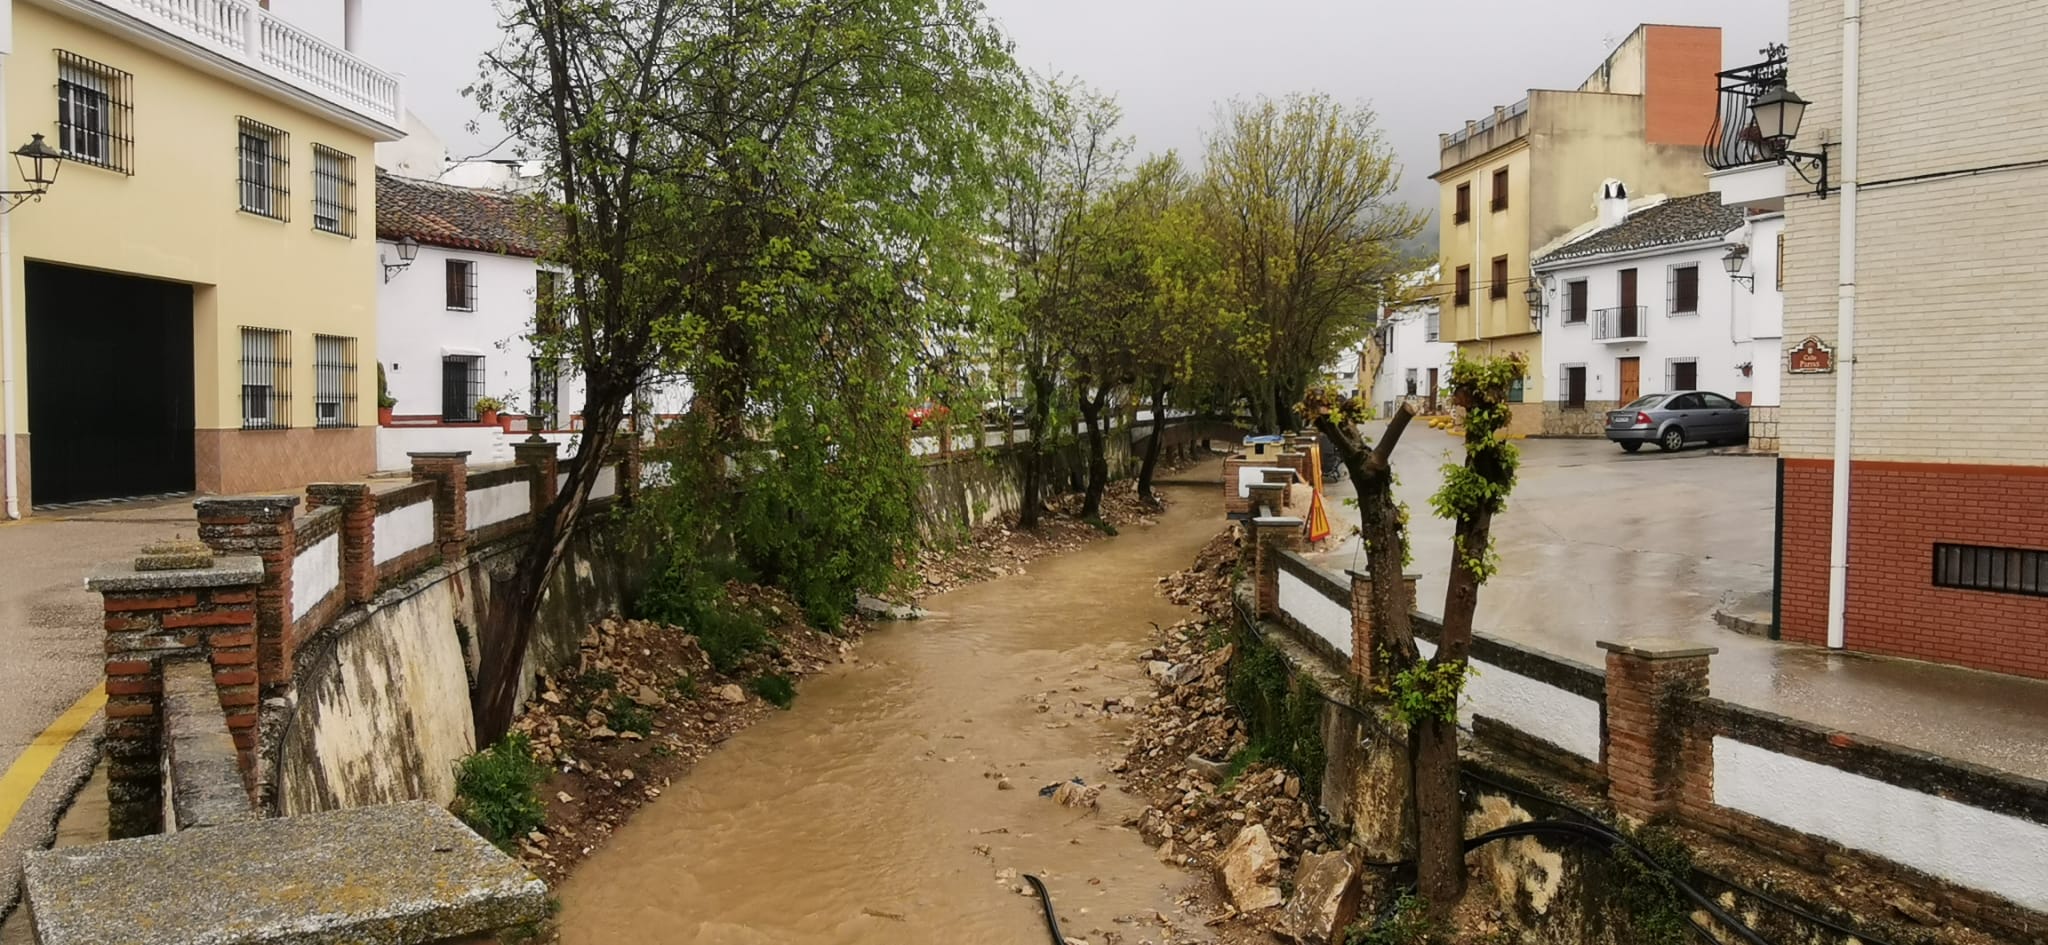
(1778,113)
(1738,255)
(38,163)
(408,250)
(1534,296)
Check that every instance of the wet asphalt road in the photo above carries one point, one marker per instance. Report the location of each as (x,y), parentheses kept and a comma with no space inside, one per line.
(1601,545)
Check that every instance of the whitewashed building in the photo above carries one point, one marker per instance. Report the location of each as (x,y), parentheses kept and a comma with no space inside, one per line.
(1642,301)
(1414,364)
(456,323)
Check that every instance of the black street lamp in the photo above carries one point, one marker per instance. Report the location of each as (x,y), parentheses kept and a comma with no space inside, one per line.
(1534,296)
(38,163)
(408,250)
(1733,262)
(1778,112)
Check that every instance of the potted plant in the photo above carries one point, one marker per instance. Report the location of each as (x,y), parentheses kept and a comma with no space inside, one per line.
(384,399)
(487,410)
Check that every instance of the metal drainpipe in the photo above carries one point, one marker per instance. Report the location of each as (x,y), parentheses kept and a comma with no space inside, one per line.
(1845,350)
(11,483)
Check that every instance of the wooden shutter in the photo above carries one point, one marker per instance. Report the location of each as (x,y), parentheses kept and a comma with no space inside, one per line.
(1499,289)
(1464,209)
(1462,295)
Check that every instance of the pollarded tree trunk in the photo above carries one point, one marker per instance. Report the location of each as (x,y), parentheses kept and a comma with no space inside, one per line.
(1037,452)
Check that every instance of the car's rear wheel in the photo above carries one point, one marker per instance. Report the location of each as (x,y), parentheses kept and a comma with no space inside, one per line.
(1631,447)
(1672,441)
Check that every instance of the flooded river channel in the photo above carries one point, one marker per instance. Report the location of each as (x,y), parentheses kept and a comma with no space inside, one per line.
(872,813)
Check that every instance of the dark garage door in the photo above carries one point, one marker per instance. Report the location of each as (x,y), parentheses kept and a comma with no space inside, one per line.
(109,385)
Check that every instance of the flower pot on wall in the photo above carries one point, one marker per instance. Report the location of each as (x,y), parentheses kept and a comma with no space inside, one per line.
(384,416)
(507,421)
(489,418)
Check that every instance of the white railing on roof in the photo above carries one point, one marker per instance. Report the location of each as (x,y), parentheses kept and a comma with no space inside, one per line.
(267,43)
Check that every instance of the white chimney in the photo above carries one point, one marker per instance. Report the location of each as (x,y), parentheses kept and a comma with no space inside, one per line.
(1613,202)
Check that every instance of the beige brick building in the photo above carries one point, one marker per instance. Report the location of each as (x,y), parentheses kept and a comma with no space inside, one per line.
(1949,478)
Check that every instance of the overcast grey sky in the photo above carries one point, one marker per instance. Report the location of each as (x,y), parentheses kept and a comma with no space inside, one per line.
(1425,67)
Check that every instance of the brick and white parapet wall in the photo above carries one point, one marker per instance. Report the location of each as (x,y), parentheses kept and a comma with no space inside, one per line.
(283,577)
(1644,729)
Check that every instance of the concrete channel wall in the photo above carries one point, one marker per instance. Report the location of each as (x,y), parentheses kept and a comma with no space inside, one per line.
(1643,736)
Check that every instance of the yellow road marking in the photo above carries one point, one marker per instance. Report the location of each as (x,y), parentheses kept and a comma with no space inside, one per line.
(27,770)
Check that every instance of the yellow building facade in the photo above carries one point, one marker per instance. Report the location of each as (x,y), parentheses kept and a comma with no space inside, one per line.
(1511,183)
(192,303)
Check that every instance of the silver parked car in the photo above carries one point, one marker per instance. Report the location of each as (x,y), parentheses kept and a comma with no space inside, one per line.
(1674,419)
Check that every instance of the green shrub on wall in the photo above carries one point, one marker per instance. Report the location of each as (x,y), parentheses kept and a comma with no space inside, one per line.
(497,791)
(1282,711)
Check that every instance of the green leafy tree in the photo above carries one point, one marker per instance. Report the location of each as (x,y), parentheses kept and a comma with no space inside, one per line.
(1300,194)
(730,181)
(1053,172)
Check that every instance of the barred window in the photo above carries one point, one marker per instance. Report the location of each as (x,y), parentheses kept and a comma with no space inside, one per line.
(95,113)
(461,285)
(462,385)
(334,381)
(547,388)
(264,160)
(266,379)
(334,191)
(2003,570)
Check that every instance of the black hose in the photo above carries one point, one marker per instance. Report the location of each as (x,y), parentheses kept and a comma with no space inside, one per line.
(1052,922)
(1601,834)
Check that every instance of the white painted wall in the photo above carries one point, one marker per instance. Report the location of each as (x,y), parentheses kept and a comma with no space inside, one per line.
(1538,709)
(416,329)
(401,530)
(499,503)
(1765,311)
(1312,609)
(1965,845)
(1714,338)
(1411,348)
(316,571)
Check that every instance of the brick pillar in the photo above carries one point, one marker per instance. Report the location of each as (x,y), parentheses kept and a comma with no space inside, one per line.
(449,472)
(1649,754)
(358,534)
(260,526)
(1365,639)
(1267,498)
(173,601)
(1234,504)
(1271,535)
(544,457)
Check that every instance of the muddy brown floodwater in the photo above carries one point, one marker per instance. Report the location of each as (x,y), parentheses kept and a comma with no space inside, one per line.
(862,814)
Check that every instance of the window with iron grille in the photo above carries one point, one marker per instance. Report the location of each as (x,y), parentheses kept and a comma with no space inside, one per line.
(266,379)
(1575,302)
(95,113)
(462,385)
(1684,284)
(1500,189)
(1463,212)
(547,389)
(1433,325)
(1412,377)
(2003,570)
(1682,374)
(547,304)
(1499,288)
(334,191)
(461,285)
(334,381)
(1461,294)
(1572,384)
(264,159)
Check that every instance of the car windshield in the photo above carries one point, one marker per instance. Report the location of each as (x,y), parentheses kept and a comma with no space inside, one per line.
(1644,402)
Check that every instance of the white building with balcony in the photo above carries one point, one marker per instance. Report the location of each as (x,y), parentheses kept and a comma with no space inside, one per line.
(1642,301)
(189,304)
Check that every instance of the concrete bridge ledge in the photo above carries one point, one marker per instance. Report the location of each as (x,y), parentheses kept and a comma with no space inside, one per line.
(402,874)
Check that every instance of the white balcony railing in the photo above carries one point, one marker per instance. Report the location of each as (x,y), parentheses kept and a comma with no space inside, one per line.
(263,41)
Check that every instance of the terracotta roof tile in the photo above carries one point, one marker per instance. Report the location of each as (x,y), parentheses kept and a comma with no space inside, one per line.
(438,214)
